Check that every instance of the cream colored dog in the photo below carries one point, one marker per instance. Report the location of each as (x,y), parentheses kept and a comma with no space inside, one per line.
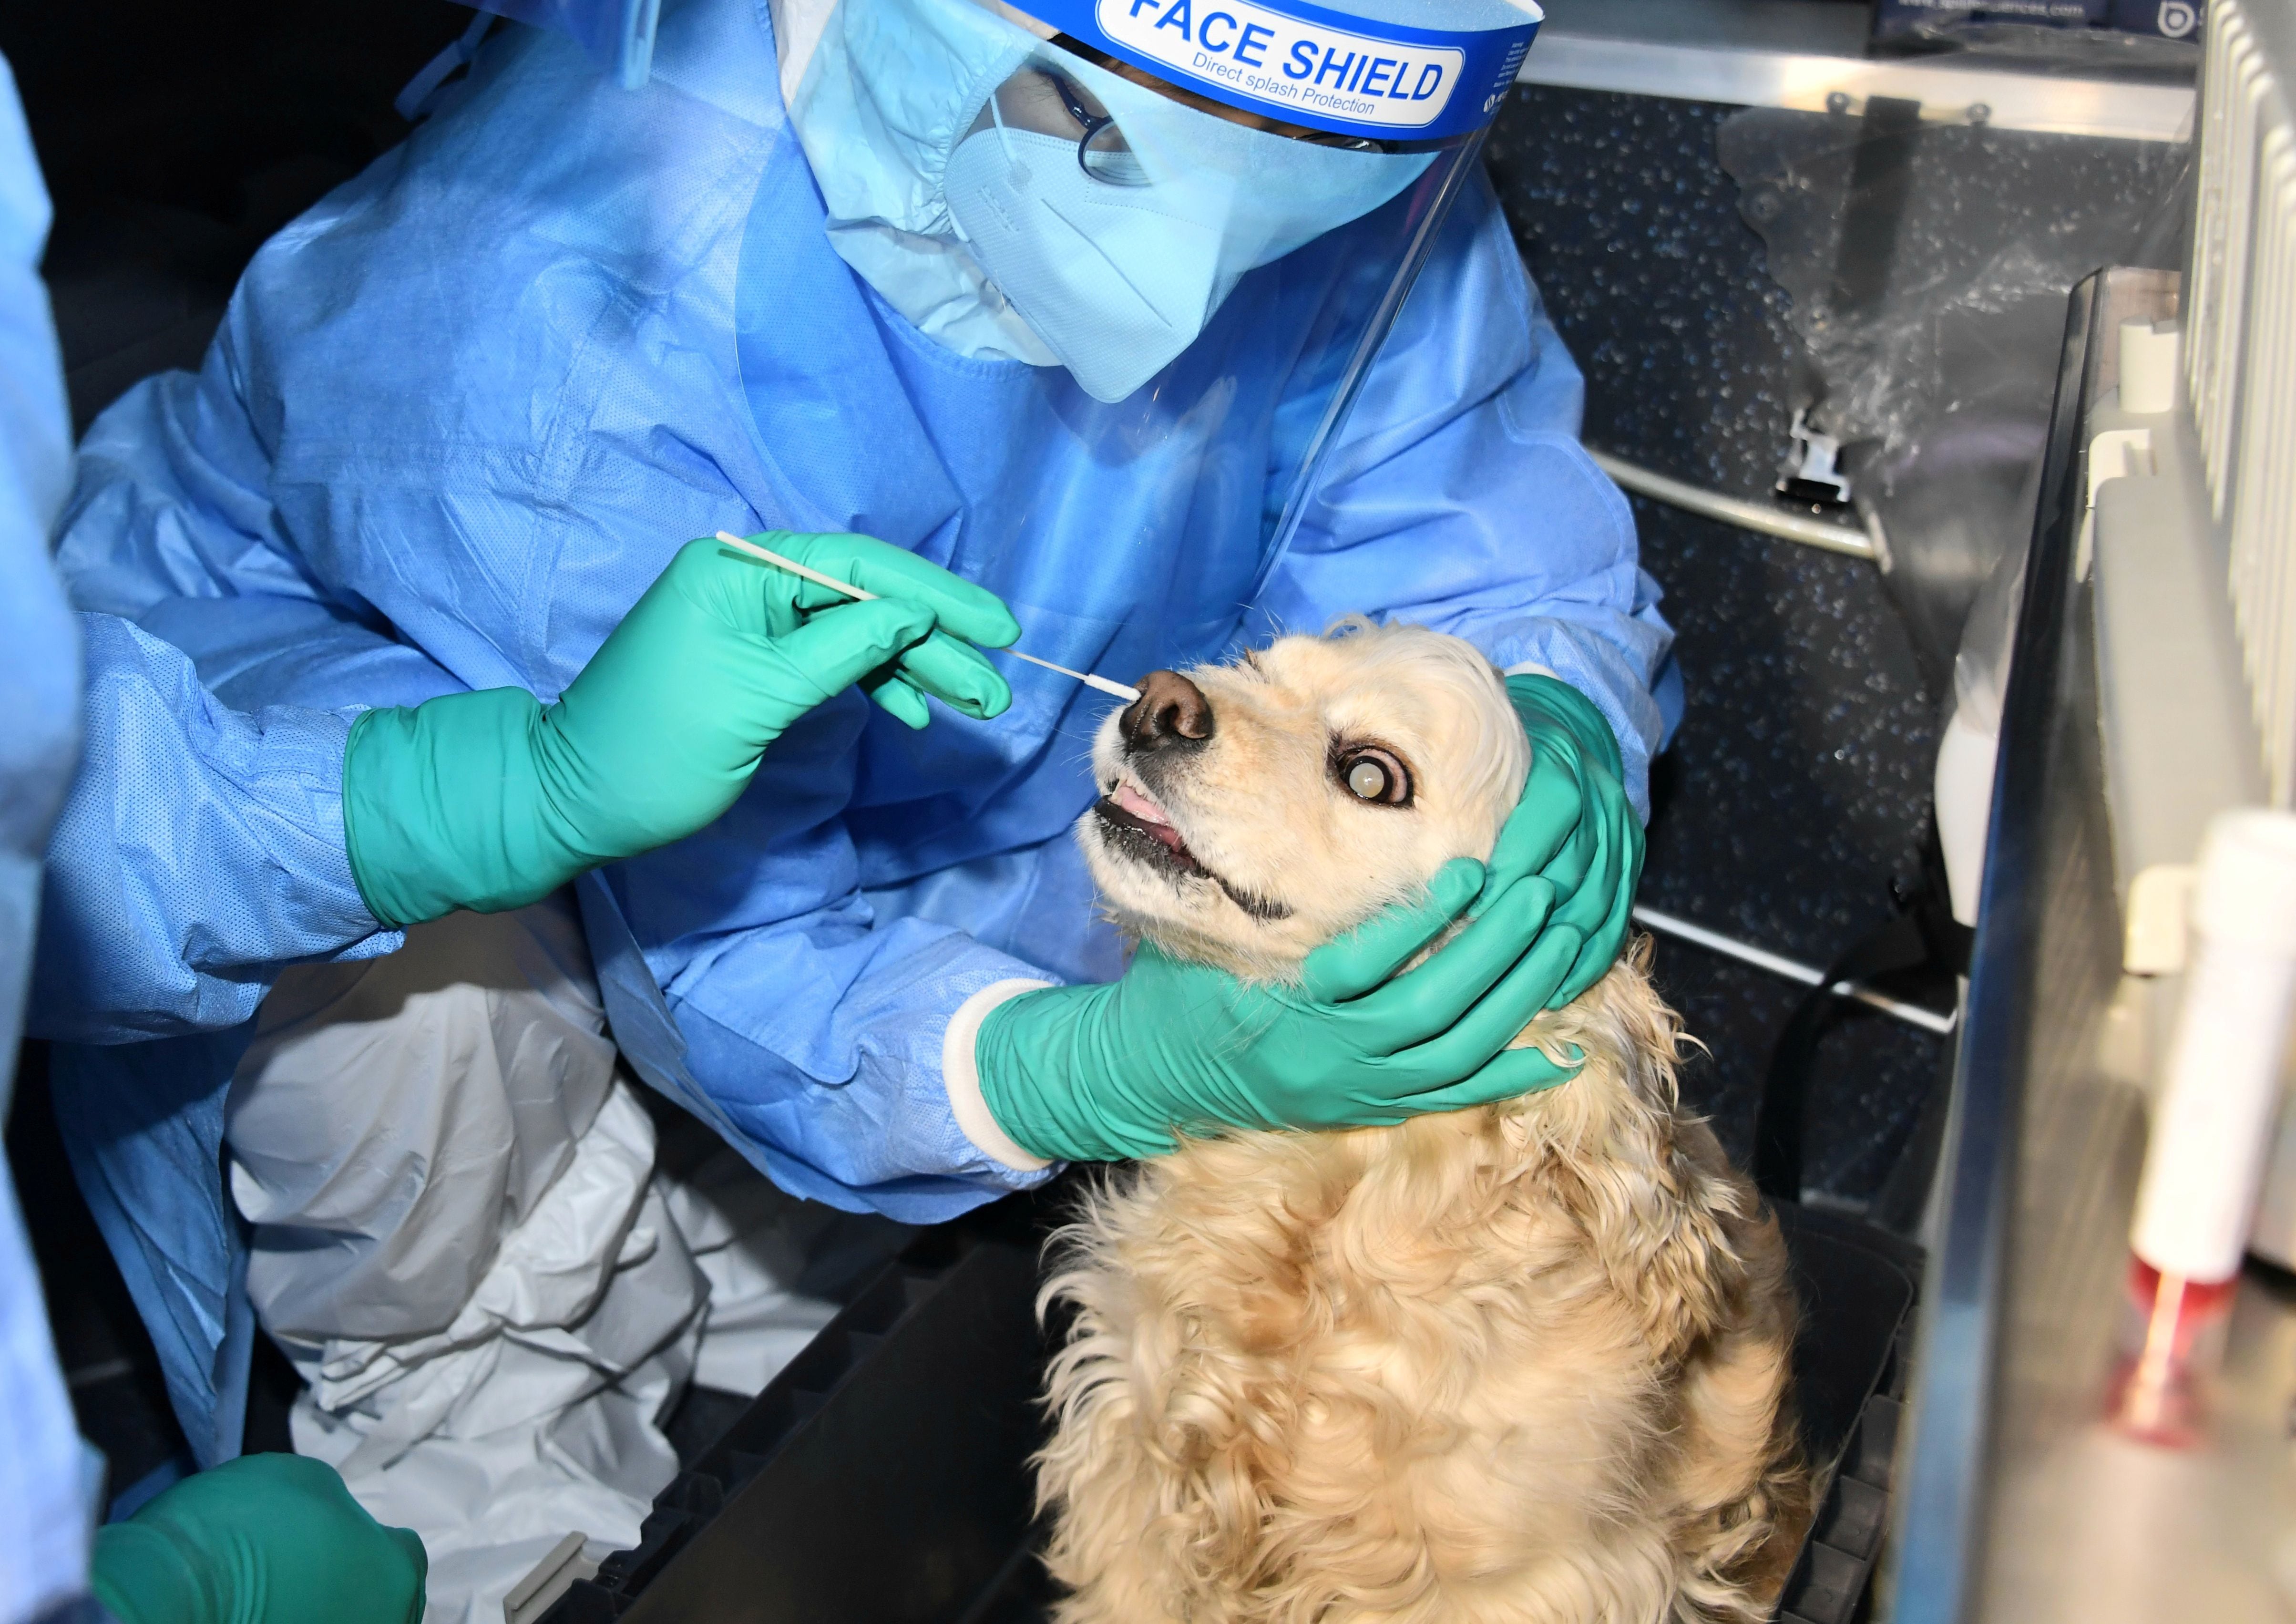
(1526,1362)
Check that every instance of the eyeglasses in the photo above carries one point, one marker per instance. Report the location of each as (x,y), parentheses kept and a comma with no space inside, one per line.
(1070,97)
(1102,151)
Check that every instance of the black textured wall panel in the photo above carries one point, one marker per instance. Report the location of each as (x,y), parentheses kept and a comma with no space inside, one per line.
(1798,787)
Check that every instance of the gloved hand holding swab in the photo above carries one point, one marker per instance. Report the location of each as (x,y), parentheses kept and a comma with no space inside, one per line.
(1122,691)
(658,734)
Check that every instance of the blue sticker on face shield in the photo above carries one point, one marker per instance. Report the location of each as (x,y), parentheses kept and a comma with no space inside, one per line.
(1304,64)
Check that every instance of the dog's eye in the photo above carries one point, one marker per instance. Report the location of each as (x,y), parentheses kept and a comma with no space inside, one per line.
(1374,775)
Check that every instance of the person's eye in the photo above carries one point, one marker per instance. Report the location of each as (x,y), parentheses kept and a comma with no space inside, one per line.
(1373,775)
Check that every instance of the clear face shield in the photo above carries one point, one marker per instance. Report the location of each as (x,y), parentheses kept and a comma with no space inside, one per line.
(1117,217)
(1173,208)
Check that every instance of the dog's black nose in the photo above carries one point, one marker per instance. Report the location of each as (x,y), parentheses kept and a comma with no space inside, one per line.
(1170,711)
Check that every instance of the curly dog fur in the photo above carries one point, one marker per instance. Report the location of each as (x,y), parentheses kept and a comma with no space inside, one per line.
(1524,1363)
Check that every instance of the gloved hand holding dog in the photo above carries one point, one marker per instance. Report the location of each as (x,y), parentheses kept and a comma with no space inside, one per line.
(1574,827)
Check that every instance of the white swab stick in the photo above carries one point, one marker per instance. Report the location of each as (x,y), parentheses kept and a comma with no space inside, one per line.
(1122,691)
(1104,685)
(795,567)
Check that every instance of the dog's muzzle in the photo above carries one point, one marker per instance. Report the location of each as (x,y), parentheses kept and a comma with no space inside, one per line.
(1168,724)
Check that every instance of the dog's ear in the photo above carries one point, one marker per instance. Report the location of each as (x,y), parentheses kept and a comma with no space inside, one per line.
(1661,1230)
(1677,1249)
(1653,1192)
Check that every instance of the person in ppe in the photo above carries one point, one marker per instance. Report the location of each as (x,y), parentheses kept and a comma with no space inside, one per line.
(1110,322)
(483,800)
(654,739)
(271,1539)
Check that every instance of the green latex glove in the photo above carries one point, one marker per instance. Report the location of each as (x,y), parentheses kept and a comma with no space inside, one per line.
(1101,1073)
(1574,826)
(489,801)
(263,1539)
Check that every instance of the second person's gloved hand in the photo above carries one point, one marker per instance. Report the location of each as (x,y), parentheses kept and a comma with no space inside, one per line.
(263,1539)
(1574,826)
(488,801)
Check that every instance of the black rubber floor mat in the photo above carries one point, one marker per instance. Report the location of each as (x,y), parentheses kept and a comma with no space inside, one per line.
(884,1476)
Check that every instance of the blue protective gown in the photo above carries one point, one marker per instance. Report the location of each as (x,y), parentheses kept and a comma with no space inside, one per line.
(200,852)
(463,412)
(44,1498)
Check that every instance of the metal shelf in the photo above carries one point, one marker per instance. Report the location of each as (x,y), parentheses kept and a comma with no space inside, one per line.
(1800,53)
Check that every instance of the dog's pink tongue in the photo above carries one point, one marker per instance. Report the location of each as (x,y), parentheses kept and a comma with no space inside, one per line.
(1144,807)
(1146,810)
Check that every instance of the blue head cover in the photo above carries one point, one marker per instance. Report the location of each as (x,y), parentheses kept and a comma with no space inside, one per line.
(618,34)
(879,94)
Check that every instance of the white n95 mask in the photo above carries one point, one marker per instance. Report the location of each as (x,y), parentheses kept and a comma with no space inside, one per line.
(1115,284)
(1119,275)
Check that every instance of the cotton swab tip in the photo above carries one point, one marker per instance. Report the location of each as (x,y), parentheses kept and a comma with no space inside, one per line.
(1105,685)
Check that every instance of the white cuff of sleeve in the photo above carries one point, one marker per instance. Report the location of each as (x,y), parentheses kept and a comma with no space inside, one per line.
(960,1074)
(1531,668)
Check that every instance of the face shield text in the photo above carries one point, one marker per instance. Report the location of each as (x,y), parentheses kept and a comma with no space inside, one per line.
(1295,67)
